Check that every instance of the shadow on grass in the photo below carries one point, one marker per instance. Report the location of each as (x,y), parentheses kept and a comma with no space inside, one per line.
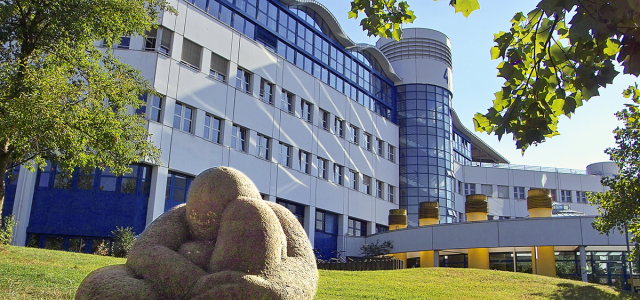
(573,291)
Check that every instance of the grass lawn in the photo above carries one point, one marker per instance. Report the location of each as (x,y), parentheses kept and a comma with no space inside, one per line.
(28,273)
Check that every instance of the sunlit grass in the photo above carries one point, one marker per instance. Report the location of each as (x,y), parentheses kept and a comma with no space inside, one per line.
(28,273)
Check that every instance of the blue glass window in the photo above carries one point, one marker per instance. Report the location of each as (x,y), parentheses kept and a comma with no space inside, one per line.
(202,4)
(177,187)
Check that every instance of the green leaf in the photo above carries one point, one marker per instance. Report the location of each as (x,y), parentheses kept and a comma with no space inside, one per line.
(466,7)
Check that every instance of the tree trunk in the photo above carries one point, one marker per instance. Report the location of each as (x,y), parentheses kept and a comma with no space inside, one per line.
(4,159)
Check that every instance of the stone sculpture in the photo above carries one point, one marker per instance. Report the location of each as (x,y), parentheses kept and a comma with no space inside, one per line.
(225,243)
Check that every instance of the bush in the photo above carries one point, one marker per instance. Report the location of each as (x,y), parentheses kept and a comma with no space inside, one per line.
(376,249)
(123,239)
(6,230)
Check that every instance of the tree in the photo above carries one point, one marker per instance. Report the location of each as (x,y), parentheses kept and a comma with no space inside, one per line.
(619,207)
(376,249)
(554,58)
(63,99)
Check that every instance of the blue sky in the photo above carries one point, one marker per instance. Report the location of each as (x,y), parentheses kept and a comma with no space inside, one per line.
(582,138)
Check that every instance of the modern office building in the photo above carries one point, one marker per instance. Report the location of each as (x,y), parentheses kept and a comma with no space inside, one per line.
(338,132)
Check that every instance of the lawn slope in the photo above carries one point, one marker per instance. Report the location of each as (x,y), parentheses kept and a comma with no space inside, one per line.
(28,273)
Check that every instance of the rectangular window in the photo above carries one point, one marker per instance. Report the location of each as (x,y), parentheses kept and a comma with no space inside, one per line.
(182,117)
(366,141)
(325,119)
(124,42)
(390,193)
(581,197)
(266,91)
(284,155)
(380,147)
(487,190)
(503,192)
(286,101)
(566,196)
(107,181)
(518,192)
(322,168)
(165,41)
(303,161)
(305,110)
(177,188)
(353,134)
(391,153)
(469,188)
(243,80)
(379,189)
(191,54)
(353,179)
(239,138)
(337,174)
(262,147)
(150,38)
(212,128)
(357,228)
(219,67)
(155,103)
(338,127)
(366,184)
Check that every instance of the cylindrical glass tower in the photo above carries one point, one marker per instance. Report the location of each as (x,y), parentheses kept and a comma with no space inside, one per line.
(422,58)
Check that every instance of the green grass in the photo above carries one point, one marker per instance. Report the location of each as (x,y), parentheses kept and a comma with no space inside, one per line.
(28,273)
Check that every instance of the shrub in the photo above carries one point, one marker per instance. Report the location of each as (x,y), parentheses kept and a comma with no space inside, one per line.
(376,249)
(123,239)
(6,230)
(101,247)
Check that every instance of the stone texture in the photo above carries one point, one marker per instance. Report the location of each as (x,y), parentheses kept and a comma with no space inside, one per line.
(225,243)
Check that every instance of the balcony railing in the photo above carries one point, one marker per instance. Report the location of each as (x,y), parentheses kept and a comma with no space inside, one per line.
(529,168)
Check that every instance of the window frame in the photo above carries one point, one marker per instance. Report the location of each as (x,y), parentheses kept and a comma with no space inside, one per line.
(166,40)
(322,168)
(243,80)
(325,123)
(353,134)
(196,51)
(211,130)
(469,189)
(390,193)
(352,177)
(266,91)
(262,146)
(366,184)
(391,150)
(366,140)
(220,75)
(239,138)
(338,174)
(306,110)
(303,161)
(287,100)
(182,117)
(286,155)
(338,127)
(519,193)
(380,147)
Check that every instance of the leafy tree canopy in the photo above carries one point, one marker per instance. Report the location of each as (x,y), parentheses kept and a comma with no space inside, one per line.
(61,97)
(553,58)
(619,207)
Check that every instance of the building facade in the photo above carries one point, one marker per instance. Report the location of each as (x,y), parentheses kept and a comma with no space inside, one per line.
(338,132)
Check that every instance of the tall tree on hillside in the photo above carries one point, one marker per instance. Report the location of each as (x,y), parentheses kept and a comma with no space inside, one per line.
(554,58)
(61,98)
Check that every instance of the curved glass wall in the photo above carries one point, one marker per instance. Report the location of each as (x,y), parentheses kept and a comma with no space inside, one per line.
(303,38)
(425,149)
